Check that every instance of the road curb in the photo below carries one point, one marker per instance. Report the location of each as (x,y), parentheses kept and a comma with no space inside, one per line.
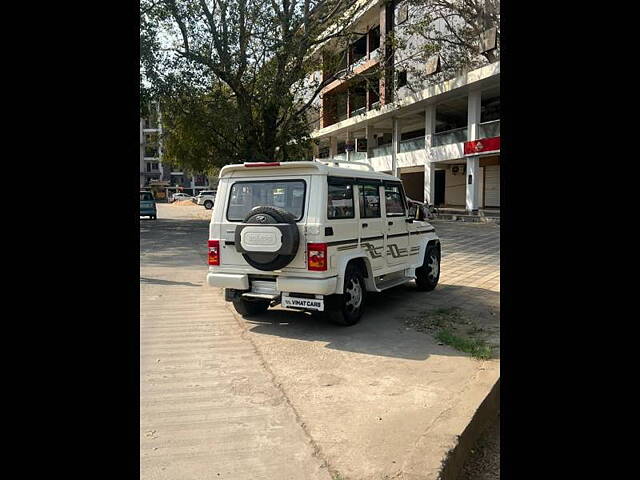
(486,412)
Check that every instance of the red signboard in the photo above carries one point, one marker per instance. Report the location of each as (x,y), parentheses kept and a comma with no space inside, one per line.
(475,147)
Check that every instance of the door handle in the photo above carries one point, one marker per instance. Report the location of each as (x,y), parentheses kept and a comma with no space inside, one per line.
(365,225)
(390,223)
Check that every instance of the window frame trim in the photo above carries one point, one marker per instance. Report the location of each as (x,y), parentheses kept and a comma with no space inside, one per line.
(341,182)
(402,199)
(374,183)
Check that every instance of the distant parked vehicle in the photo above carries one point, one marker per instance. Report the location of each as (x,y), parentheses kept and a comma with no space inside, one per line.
(180,196)
(147,205)
(206,198)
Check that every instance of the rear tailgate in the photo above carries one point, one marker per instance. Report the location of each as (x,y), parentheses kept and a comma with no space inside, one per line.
(229,256)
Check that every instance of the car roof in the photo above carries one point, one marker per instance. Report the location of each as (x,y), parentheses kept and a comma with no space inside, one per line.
(302,167)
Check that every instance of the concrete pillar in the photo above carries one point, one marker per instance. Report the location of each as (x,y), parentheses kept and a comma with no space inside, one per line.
(473,162)
(348,154)
(333,146)
(316,150)
(395,141)
(473,114)
(429,164)
(429,183)
(472,180)
(369,132)
(386,21)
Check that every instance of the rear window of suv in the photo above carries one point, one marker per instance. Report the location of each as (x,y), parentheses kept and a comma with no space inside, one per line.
(146,197)
(286,194)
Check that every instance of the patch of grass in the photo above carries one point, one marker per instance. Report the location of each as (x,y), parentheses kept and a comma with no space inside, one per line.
(477,348)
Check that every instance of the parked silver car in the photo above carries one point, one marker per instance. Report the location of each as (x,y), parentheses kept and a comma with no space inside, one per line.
(206,198)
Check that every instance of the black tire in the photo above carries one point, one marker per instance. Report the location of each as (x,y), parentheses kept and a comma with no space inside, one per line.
(428,274)
(271,261)
(344,312)
(208,204)
(246,308)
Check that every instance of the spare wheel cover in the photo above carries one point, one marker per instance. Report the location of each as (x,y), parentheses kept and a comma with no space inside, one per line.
(268,238)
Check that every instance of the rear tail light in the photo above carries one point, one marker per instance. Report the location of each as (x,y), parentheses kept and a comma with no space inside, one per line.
(317,256)
(214,252)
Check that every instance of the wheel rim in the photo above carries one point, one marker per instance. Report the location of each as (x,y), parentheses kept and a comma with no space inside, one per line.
(434,267)
(355,295)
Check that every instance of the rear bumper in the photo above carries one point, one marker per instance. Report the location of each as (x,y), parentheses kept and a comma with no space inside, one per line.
(228,280)
(319,286)
(148,211)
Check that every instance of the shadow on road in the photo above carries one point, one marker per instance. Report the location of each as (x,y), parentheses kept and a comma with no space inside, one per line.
(175,242)
(382,330)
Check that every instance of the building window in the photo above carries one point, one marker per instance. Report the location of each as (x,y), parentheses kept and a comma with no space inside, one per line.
(402,78)
(403,14)
(374,38)
(323,152)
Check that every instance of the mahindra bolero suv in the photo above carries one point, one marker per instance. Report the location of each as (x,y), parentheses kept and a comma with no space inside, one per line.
(315,237)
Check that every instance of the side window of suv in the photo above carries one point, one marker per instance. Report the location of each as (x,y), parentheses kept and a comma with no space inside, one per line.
(369,200)
(394,202)
(339,199)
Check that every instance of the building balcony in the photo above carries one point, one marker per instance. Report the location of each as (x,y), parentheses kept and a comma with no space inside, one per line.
(455,135)
(412,144)
(382,150)
(489,129)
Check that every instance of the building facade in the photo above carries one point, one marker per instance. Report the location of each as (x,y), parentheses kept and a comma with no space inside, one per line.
(152,167)
(442,139)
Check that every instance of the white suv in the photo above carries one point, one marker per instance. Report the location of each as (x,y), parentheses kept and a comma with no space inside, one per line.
(206,198)
(316,237)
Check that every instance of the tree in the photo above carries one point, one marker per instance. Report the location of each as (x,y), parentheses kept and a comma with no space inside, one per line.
(450,29)
(233,74)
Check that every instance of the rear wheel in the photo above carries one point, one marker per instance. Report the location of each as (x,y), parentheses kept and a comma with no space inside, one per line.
(247,308)
(208,204)
(351,303)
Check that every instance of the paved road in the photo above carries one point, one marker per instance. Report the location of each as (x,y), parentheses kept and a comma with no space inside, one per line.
(281,394)
(209,409)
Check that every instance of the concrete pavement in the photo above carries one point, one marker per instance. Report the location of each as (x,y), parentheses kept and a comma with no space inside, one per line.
(282,394)
(209,409)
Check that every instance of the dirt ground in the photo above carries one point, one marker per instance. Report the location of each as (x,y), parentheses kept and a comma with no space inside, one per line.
(484,459)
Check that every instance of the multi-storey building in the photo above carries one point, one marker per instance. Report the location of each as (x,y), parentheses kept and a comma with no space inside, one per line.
(152,168)
(442,139)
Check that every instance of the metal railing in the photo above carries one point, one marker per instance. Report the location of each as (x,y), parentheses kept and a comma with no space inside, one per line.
(412,144)
(355,156)
(382,151)
(489,129)
(447,137)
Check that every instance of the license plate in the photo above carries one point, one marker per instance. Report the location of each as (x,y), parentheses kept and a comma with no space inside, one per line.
(307,303)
